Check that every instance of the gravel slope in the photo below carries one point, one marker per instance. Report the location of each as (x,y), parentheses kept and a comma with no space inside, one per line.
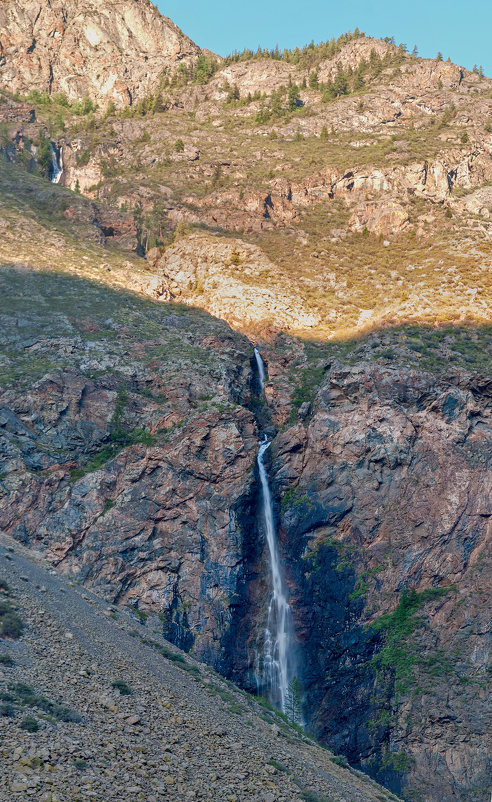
(183,733)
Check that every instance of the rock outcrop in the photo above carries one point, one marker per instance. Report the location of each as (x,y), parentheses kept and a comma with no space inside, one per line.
(111,51)
(221,276)
(388,486)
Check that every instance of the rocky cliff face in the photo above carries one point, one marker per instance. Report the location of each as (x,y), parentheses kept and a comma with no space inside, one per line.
(111,51)
(131,465)
(388,486)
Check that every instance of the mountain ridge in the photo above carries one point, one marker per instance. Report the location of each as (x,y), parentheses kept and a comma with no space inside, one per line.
(114,51)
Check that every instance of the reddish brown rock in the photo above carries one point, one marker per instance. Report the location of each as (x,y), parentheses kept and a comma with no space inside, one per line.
(107,52)
(389,480)
(385,217)
(17,113)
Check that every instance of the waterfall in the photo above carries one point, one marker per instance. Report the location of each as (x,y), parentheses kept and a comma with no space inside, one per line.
(276,669)
(275,663)
(261,369)
(57,166)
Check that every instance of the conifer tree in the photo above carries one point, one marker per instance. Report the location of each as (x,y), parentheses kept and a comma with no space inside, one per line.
(294,99)
(294,701)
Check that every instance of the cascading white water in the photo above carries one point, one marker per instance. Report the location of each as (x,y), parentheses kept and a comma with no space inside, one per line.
(275,663)
(261,369)
(57,167)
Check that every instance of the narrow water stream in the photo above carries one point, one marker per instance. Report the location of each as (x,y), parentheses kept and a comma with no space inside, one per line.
(261,369)
(57,166)
(275,661)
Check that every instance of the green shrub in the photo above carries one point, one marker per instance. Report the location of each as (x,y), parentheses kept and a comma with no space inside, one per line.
(5,607)
(27,696)
(6,660)
(66,714)
(7,711)
(4,135)
(61,100)
(278,766)
(307,386)
(83,158)
(29,724)
(11,626)
(122,687)
(399,653)
(341,760)
(236,258)
(84,106)
(39,98)
(179,146)
(44,156)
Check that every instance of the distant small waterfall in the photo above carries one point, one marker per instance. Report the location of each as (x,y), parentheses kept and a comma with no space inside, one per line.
(57,165)
(261,369)
(275,661)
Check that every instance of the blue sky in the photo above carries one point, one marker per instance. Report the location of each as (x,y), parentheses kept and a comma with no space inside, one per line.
(460,30)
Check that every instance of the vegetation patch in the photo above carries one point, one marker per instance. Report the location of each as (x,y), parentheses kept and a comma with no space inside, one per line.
(401,652)
(11,624)
(306,388)
(25,696)
(122,687)
(120,438)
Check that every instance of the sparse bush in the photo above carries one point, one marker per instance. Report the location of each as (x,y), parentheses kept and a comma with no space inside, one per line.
(6,660)
(61,100)
(145,137)
(448,115)
(122,687)
(179,146)
(24,692)
(83,158)
(182,230)
(29,724)
(44,156)
(236,258)
(278,766)
(39,98)
(28,697)
(217,176)
(341,760)
(11,626)
(84,107)
(4,135)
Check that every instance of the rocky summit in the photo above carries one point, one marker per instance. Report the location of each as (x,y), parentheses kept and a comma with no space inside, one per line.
(245,416)
(113,51)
